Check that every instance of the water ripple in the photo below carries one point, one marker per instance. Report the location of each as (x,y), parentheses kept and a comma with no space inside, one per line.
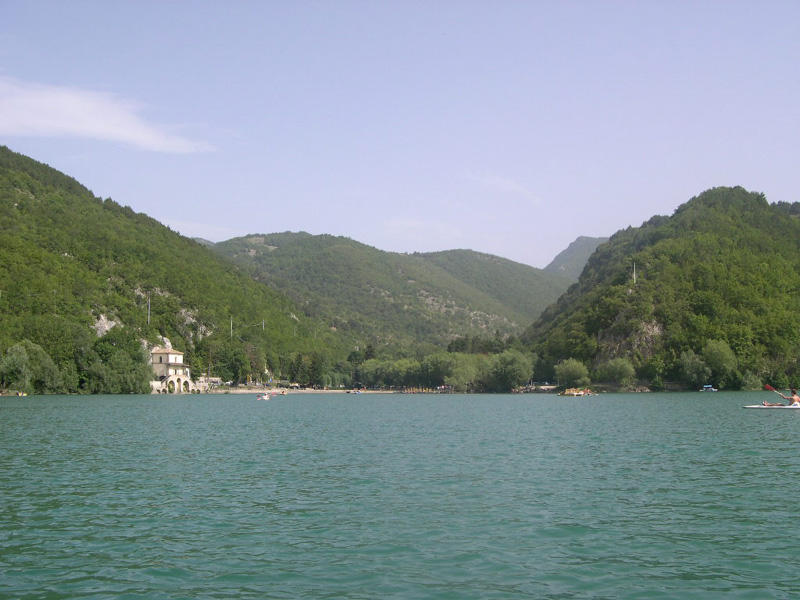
(623,497)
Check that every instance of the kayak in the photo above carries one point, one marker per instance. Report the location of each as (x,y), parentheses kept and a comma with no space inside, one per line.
(762,406)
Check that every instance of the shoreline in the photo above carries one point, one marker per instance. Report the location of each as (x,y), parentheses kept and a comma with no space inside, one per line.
(289,391)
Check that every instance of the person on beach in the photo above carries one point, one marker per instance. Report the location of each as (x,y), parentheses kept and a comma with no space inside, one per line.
(794,400)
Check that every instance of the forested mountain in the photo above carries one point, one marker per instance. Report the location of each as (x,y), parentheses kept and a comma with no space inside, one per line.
(87,286)
(715,298)
(72,265)
(524,290)
(707,295)
(571,261)
(398,301)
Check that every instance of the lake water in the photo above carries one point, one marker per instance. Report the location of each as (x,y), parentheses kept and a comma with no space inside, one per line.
(398,496)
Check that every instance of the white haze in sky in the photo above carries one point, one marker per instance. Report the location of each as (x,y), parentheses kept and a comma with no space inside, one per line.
(36,110)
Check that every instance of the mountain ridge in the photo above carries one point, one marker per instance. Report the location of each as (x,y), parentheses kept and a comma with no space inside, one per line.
(439,295)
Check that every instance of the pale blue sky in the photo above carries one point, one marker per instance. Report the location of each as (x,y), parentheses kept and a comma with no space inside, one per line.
(504,127)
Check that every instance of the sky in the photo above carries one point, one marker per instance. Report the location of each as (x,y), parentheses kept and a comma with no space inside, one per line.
(503,126)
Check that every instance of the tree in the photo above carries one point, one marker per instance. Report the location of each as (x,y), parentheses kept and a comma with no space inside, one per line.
(511,369)
(435,368)
(120,365)
(318,370)
(617,370)
(404,372)
(298,368)
(723,363)
(572,373)
(694,370)
(26,367)
(15,370)
(233,363)
(468,370)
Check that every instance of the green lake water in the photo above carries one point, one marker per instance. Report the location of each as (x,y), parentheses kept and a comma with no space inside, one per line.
(619,496)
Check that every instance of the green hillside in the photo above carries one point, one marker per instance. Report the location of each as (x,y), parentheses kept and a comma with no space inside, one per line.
(522,289)
(397,301)
(707,295)
(571,261)
(714,300)
(72,264)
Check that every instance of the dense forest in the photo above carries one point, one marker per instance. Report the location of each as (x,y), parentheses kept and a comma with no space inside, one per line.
(401,304)
(706,296)
(88,287)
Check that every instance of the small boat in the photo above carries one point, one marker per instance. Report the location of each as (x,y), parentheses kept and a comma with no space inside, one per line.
(792,407)
(576,392)
(264,396)
(709,388)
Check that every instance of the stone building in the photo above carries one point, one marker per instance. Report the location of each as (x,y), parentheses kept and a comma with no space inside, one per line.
(171,375)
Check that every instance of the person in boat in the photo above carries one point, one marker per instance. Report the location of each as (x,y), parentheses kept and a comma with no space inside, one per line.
(794,400)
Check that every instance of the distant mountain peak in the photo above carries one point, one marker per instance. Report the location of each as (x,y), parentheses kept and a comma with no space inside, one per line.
(571,261)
